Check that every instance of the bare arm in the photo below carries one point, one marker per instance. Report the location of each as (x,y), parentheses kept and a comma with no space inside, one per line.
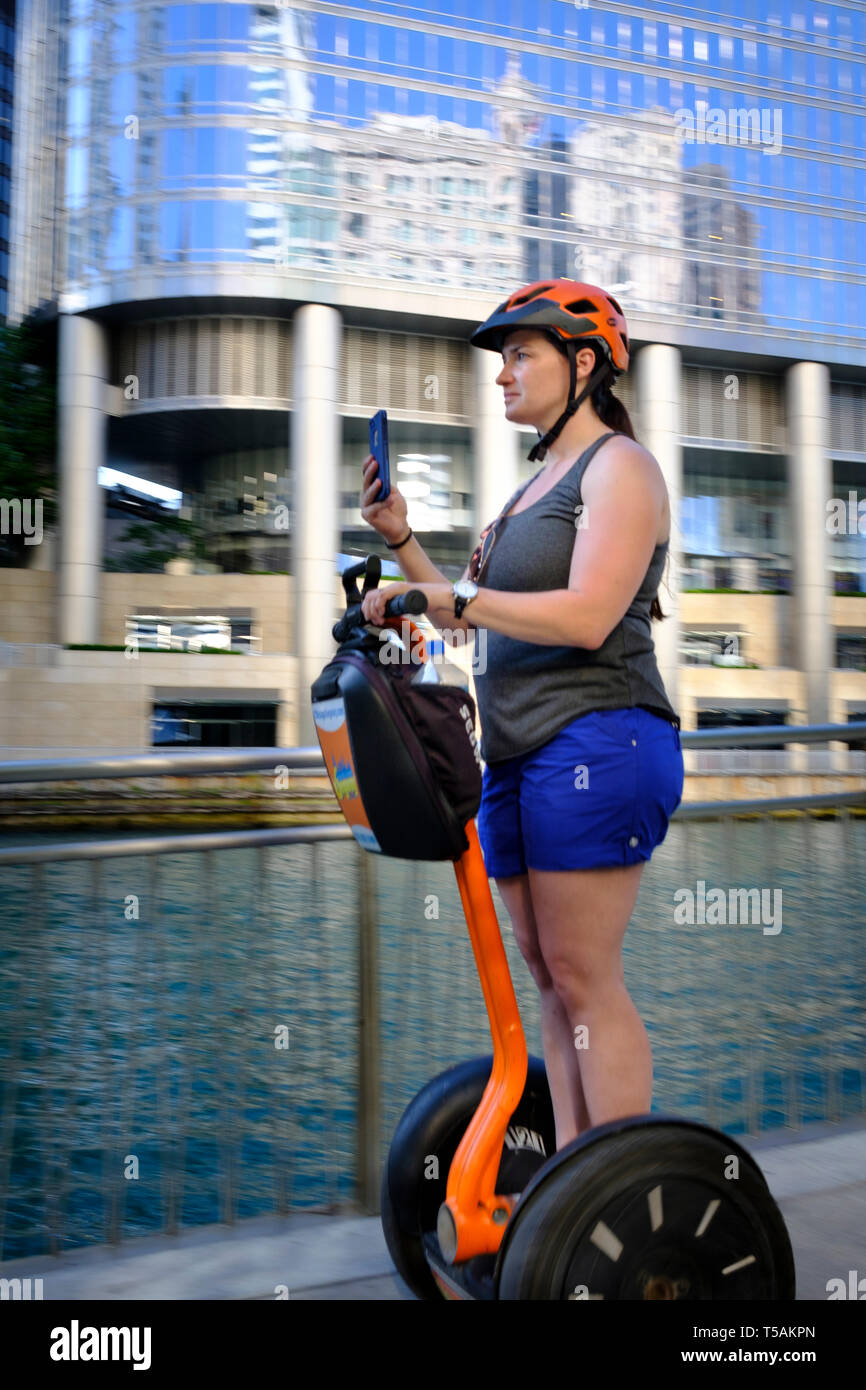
(416,564)
(610,557)
(419,567)
(444,619)
(389,518)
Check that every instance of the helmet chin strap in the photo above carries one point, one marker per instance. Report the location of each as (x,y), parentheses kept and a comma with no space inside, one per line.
(539,450)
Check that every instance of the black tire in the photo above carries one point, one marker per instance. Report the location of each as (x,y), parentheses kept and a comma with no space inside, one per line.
(432,1126)
(600,1186)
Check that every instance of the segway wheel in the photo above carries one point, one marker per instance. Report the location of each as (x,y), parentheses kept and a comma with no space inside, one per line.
(647,1209)
(415,1179)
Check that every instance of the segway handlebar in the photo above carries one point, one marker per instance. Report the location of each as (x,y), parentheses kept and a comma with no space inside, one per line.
(413,602)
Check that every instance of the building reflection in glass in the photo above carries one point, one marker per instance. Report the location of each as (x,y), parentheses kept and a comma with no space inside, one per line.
(476,149)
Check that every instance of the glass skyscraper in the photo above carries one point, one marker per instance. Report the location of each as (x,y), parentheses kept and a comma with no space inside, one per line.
(411,148)
(262,209)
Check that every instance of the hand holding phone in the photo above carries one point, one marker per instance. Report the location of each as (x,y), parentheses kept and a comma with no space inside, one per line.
(382,506)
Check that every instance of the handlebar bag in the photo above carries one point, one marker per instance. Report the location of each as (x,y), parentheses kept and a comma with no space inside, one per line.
(403,759)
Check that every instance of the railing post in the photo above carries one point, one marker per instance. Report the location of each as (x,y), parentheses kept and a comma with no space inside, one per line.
(369,1050)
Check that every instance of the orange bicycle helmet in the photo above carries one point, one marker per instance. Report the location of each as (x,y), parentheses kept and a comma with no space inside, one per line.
(570,313)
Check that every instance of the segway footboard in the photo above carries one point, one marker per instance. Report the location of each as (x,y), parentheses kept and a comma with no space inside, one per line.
(415,1178)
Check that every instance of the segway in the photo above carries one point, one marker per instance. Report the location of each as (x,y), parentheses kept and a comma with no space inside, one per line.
(476,1202)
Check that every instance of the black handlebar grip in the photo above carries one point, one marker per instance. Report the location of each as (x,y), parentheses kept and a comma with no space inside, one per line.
(414,601)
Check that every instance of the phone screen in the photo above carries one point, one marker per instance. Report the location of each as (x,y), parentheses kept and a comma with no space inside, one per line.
(379,450)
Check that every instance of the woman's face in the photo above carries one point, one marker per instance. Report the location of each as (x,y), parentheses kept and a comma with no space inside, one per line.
(534,378)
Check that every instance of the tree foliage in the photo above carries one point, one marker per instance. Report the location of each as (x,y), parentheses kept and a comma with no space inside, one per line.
(162,540)
(28,425)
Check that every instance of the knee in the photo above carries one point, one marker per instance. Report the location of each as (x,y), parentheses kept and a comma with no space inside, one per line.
(538,969)
(532,954)
(581,982)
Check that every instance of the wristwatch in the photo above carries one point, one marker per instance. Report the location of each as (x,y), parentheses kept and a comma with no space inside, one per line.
(464,592)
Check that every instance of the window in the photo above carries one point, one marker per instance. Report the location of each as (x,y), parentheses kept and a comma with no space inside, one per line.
(212,724)
(398,183)
(189,632)
(703,648)
(850,651)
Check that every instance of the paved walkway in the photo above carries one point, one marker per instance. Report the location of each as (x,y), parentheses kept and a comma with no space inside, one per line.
(818,1179)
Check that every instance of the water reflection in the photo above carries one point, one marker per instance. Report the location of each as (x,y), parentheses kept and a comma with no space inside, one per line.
(158,1035)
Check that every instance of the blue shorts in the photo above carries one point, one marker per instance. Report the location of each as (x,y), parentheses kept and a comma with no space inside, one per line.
(599,793)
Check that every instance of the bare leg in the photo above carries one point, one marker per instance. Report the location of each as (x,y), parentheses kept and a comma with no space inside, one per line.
(582,916)
(563,1069)
(557,1032)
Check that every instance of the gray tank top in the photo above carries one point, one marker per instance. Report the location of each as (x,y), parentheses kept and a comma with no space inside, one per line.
(529,692)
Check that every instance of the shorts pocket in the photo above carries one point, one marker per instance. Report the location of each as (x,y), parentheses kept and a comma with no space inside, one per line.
(619,726)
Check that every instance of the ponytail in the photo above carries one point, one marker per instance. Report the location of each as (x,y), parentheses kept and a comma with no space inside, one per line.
(610,409)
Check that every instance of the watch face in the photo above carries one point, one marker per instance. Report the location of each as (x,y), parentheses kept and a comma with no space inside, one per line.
(464,588)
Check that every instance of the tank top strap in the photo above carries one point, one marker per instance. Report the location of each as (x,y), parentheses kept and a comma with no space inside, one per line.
(576,473)
(580,464)
(518,492)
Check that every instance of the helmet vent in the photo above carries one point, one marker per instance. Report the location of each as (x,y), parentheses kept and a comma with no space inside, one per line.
(534,294)
(582,306)
(612,301)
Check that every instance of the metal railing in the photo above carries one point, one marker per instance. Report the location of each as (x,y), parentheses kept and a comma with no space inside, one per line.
(206,1026)
(709,751)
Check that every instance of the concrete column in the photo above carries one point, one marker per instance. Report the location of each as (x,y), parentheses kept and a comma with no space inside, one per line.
(745,569)
(496,443)
(705,573)
(82,430)
(315,453)
(658,396)
(810,477)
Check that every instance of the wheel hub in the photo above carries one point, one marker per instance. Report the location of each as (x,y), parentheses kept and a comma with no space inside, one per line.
(662,1286)
(619,1257)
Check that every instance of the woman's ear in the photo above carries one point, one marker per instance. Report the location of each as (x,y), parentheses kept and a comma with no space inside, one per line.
(585,362)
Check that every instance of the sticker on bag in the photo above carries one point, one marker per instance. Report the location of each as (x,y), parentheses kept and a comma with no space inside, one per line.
(333,735)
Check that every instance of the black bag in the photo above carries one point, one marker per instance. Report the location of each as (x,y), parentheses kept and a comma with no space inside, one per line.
(403,759)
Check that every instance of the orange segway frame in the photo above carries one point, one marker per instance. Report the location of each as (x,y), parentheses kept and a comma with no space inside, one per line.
(473,1217)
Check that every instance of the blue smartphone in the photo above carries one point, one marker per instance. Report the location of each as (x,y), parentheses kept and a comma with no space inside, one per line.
(379,450)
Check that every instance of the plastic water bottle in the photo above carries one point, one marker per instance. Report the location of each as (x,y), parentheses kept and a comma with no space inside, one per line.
(436,670)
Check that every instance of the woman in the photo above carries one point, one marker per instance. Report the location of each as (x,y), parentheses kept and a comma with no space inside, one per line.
(581,744)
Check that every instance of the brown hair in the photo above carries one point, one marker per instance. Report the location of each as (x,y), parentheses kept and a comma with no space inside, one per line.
(611,411)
